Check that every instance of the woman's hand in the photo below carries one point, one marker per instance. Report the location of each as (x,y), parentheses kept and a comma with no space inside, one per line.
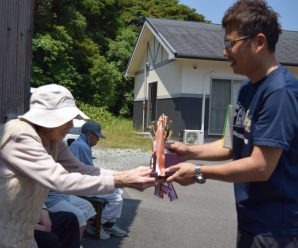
(138,178)
(45,223)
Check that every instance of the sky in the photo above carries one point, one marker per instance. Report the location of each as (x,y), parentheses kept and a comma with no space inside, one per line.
(213,10)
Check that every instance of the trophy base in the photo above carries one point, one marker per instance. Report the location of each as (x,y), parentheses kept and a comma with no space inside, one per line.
(170,160)
(154,174)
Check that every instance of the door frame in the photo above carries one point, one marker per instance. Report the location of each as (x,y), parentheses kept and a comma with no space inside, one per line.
(152,102)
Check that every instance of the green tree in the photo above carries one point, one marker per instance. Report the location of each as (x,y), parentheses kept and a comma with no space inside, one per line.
(104,77)
(119,53)
(52,61)
(134,11)
(85,45)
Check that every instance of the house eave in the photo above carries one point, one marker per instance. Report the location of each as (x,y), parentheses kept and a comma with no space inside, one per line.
(147,25)
(196,57)
(189,56)
(289,64)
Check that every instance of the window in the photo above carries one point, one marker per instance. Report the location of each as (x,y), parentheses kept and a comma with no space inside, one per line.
(223,93)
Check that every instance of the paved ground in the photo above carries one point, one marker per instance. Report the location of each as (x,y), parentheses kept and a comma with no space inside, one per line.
(203,216)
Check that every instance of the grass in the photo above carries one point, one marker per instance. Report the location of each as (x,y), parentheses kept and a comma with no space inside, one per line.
(118,131)
(119,134)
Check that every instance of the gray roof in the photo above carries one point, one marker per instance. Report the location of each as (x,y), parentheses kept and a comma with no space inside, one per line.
(199,40)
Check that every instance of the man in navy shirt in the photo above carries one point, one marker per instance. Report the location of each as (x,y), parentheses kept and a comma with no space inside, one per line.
(264,166)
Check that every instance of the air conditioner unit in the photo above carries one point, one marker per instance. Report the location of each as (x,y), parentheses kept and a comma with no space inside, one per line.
(192,137)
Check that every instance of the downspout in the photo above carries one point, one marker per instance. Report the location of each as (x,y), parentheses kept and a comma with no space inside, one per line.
(203,103)
(145,93)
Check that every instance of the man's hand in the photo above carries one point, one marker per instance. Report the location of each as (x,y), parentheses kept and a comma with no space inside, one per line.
(45,223)
(180,149)
(138,178)
(184,173)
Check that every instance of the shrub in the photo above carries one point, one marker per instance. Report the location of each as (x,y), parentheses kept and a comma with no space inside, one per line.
(98,114)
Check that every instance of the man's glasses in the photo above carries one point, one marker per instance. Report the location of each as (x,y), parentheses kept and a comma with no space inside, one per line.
(228,44)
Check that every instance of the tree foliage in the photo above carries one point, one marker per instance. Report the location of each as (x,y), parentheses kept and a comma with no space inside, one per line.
(85,45)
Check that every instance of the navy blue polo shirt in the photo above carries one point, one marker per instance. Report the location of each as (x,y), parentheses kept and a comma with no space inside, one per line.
(267,115)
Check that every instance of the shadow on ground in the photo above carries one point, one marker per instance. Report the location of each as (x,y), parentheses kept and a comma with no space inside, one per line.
(129,211)
(203,216)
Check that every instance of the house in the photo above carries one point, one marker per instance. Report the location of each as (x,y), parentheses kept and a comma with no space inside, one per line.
(179,69)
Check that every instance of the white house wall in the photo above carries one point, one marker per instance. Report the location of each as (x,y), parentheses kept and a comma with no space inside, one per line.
(168,78)
(183,78)
(165,73)
(196,73)
(139,87)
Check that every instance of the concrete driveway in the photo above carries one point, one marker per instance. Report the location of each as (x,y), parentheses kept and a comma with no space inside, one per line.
(203,216)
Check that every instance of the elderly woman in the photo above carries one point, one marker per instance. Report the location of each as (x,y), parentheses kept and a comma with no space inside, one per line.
(34,159)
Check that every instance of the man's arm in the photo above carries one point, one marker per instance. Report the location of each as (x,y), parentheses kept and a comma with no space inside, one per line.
(213,151)
(258,167)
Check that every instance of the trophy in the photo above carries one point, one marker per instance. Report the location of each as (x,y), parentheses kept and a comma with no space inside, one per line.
(161,158)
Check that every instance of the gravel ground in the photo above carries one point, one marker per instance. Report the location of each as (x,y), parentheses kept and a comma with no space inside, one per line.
(120,159)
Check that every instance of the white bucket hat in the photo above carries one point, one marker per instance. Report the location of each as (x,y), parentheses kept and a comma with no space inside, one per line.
(52,106)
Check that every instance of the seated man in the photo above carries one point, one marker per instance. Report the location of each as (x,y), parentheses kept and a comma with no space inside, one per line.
(81,208)
(81,148)
(59,230)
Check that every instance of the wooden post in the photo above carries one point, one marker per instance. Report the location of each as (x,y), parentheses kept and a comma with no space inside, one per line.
(16,18)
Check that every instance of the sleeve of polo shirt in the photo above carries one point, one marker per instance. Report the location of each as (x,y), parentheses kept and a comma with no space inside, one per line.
(277,120)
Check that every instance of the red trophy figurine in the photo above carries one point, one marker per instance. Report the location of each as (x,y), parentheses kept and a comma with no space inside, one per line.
(161,158)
